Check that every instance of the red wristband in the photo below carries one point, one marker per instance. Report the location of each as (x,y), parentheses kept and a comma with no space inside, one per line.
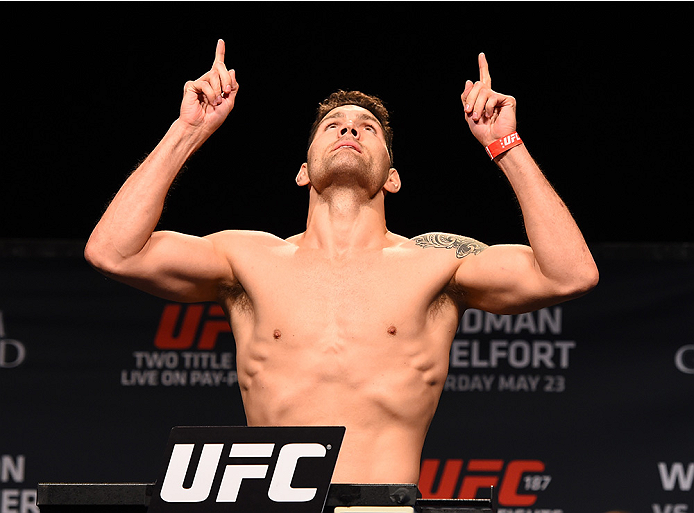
(504,144)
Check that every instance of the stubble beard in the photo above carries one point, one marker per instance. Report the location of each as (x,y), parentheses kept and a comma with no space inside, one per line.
(345,171)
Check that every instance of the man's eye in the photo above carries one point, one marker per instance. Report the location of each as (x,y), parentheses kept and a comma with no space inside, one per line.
(370,128)
(330,125)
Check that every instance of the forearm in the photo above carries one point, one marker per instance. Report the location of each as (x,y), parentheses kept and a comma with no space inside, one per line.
(133,214)
(559,249)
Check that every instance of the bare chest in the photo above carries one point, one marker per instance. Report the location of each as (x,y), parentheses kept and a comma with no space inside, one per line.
(315,329)
(374,291)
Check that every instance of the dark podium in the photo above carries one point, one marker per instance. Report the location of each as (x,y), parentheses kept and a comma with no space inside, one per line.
(267,460)
(135,498)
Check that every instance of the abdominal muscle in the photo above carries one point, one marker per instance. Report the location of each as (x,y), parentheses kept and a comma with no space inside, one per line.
(383,389)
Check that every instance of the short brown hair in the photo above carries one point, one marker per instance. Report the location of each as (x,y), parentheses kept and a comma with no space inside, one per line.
(371,103)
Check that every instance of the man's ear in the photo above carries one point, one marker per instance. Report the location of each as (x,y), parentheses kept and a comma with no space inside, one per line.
(302,177)
(393,183)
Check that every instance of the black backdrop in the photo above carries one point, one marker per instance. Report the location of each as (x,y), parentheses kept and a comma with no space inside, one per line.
(89,88)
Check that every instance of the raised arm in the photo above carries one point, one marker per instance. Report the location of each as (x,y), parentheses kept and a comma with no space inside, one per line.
(123,245)
(558,265)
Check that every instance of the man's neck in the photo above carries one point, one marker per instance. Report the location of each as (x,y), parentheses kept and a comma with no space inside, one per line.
(344,221)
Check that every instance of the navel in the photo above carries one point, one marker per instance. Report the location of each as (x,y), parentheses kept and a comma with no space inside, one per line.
(392,330)
(277,334)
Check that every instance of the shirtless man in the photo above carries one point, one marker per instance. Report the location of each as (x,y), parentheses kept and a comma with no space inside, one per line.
(346,323)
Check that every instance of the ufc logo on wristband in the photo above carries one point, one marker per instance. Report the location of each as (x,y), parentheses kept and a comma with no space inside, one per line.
(504,144)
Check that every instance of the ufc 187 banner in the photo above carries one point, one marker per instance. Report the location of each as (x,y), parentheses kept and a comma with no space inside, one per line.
(582,407)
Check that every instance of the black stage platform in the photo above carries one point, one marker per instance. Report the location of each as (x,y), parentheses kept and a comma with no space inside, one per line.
(135,498)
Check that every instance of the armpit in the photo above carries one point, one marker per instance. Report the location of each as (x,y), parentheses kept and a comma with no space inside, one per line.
(463,246)
(236,296)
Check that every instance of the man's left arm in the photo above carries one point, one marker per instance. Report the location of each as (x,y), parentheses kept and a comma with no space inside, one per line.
(558,264)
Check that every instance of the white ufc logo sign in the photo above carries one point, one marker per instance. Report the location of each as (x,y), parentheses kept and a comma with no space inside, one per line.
(280,489)
(241,469)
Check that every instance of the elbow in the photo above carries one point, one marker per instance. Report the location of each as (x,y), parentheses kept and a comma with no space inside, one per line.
(593,278)
(93,255)
(97,255)
(583,281)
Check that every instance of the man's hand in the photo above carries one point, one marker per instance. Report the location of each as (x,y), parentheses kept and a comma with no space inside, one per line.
(208,100)
(489,115)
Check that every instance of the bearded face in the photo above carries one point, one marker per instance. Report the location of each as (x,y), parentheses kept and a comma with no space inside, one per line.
(348,150)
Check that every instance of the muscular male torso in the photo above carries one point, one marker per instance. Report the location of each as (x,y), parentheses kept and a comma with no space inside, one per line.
(333,334)
(359,340)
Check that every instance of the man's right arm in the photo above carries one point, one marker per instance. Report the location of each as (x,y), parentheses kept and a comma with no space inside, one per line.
(124,245)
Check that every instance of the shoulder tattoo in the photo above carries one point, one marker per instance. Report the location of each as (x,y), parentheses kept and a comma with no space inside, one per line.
(463,246)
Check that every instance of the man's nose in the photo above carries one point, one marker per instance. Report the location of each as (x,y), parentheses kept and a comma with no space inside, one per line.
(345,129)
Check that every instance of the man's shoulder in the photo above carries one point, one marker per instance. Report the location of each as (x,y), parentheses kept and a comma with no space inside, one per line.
(243,241)
(461,245)
(252,236)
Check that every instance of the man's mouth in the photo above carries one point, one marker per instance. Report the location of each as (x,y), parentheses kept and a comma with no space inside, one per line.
(347,144)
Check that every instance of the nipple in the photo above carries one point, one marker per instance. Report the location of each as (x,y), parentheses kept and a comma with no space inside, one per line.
(392,330)
(277,334)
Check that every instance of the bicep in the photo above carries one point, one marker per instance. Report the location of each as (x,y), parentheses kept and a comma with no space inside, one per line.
(178,267)
(505,279)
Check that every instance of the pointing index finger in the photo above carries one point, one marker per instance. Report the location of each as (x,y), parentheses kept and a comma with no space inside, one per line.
(219,52)
(484,70)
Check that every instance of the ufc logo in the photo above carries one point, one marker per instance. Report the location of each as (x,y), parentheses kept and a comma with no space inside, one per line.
(279,490)
(514,478)
(227,469)
(509,139)
(181,328)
